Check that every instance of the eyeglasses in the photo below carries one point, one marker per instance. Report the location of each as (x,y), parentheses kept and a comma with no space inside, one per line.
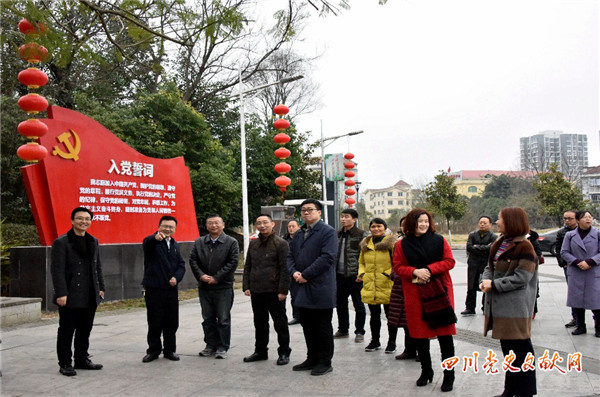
(308,210)
(81,218)
(568,219)
(167,227)
(263,223)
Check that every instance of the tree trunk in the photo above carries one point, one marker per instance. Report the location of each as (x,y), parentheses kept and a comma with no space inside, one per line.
(449,232)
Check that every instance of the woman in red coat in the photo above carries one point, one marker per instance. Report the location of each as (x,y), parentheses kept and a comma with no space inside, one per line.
(423,259)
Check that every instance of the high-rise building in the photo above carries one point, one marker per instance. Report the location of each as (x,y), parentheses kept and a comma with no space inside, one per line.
(568,151)
(382,202)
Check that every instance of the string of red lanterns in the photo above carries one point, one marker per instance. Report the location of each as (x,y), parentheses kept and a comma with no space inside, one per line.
(282,153)
(349,166)
(32,103)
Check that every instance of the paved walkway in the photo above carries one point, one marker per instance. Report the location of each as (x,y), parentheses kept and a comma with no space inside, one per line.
(29,364)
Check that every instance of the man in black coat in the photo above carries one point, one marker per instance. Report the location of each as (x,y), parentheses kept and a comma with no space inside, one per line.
(478,251)
(164,269)
(78,289)
(570,223)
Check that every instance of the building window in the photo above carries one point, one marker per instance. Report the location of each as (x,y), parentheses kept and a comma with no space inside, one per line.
(472,189)
(400,202)
(389,211)
(400,194)
(390,193)
(390,202)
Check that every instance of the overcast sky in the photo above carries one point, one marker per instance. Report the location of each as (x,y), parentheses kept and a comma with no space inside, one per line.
(452,83)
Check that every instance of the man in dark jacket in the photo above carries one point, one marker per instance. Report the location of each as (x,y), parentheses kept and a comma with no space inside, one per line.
(311,263)
(164,269)
(266,282)
(478,251)
(349,238)
(570,223)
(78,288)
(213,261)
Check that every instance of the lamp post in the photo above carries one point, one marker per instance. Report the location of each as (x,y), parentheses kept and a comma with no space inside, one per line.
(324,179)
(245,221)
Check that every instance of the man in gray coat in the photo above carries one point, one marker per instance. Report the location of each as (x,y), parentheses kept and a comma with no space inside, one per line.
(78,289)
(213,261)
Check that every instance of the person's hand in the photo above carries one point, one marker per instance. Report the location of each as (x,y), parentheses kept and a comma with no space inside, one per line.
(299,279)
(101,293)
(61,301)
(173,282)
(423,276)
(281,297)
(486,285)
(205,278)
(247,292)
(583,265)
(159,236)
(358,279)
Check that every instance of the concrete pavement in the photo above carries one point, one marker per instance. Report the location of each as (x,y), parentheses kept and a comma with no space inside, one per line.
(29,364)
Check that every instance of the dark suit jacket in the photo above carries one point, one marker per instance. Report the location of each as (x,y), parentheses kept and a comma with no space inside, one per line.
(66,267)
(160,264)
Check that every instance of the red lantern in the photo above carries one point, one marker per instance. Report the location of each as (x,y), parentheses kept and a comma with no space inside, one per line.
(349,182)
(281,124)
(282,153)
(281,138)
(350,192)
(348,156)
(33,52)
(349,165)
(281,110)
(282,168)
(32,128)
(349,174)
(33,103)
(32,152)
(28,28)
(350,201)
(33,78)
(282,182)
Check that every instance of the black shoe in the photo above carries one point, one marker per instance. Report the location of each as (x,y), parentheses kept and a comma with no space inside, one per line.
(294,321)
(67,370)
(579,330)
(406,356)
(372,346)
(171,356)
(426,376)
(448,382)
(149,357)
(305,366)
(505,394)
(339,334)
(597,334)
(256,357)
(283,359)
(467,312)
(87,364)
(571,324)
(321,369)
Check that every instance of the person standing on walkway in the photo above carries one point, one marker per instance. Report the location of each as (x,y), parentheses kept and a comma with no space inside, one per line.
(348,285)
(292,228)
(375,271)
(581,251)
(164,269)
(78,289)
(311,263)
(423,259)
(213,261)
(570,223)
(266,281)
(510,286)
(478,252)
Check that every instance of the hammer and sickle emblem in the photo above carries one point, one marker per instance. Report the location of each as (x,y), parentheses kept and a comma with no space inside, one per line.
(72,151)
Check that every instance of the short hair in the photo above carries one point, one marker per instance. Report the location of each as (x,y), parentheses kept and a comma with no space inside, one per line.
(316,202)
(581,214)
(516,222)
(212,216)
(412,220)
(267,215)
(487,217)
(294,220)
(350,212)
(378,221)
(81,209)
(167,218)
(573,211)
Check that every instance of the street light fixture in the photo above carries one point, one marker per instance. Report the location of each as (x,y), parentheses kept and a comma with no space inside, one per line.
(323,146)
(242,92)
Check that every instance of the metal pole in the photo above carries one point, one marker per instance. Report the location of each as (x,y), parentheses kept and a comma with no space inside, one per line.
(324,179)
(245,223)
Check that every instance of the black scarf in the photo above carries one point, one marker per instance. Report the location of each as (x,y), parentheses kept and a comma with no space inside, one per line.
(423,250)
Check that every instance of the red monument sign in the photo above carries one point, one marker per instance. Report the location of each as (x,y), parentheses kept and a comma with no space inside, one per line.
(88,166)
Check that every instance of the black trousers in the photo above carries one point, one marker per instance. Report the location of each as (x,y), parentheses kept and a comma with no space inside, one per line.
(519,383)
(162,311)
(348,287)
(78,322)
(424,349)
(474,272)
(318,334)
(375,323)
(263,305)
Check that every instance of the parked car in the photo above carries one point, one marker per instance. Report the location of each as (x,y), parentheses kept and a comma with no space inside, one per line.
(548,242)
